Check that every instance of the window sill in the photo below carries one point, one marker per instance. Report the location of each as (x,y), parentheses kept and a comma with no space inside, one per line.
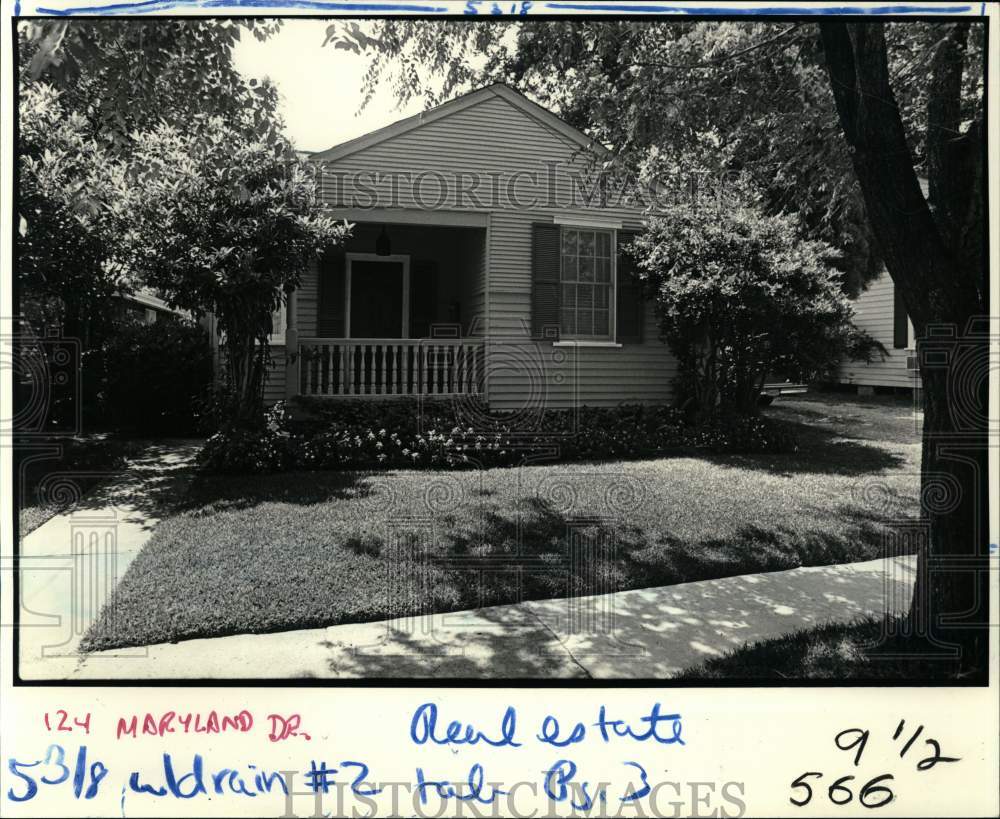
(571,343)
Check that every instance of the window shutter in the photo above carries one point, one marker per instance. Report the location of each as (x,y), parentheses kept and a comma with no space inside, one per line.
(900,321)
(631,310)
(330,321)
(545,264)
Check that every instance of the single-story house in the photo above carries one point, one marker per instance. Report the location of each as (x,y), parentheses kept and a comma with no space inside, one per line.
(484,260)
(880,311)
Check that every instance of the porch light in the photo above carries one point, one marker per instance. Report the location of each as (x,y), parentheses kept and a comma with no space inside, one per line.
(382,245)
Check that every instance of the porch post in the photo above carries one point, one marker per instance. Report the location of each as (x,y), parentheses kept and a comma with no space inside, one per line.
(291,344)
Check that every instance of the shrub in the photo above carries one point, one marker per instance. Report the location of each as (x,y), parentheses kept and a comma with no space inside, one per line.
(740,293)
(401,434)
(242,450)
(152,377)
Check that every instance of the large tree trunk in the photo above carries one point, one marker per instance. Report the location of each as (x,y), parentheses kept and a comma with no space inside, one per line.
(939,271)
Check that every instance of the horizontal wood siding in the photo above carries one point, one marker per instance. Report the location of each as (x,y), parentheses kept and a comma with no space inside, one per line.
(522,373)
(493,137)
(274,383)
(873,311)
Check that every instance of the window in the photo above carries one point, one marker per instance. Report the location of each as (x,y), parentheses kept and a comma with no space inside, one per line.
(587,281)
(278,324)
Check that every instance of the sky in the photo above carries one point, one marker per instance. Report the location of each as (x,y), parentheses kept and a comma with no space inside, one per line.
(320,88)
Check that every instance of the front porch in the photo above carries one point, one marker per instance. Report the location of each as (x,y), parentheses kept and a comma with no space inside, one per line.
(396,312)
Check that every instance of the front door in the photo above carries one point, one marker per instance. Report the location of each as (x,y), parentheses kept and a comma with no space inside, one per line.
(376,299)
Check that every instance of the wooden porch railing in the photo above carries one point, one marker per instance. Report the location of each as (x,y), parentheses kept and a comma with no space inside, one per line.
(390,366)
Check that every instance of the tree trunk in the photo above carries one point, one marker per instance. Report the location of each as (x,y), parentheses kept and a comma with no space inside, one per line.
(940,285)
(245,359)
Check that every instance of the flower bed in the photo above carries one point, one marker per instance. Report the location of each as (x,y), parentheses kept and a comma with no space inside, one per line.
(398,433)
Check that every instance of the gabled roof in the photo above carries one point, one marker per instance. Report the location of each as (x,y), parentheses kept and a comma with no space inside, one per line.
(505,92)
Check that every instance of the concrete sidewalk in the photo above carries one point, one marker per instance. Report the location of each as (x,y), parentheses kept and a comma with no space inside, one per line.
(649,633)
(72,562)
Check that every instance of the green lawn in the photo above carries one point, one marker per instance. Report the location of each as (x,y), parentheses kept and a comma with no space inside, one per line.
(312,549)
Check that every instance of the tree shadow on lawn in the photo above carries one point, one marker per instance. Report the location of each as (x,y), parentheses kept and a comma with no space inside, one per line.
(537,552)
(820,452)
(211,494)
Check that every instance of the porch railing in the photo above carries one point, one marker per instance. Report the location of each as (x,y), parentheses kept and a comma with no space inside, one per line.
(390,366)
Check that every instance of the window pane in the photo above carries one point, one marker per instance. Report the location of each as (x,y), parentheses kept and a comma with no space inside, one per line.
(601,323)
(586,243)
(585,323)
(604,244)
(569,268)
(585,297)
(586,269)
(569,296)
(569,242)
(568,325)
(603,270)
(278,321)
(601,296)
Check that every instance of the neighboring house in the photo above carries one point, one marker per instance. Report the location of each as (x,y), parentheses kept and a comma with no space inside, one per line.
(477,265)
(880,311)
(149,308)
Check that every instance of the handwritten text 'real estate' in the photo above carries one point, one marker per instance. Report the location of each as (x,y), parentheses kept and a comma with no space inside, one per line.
(82,773)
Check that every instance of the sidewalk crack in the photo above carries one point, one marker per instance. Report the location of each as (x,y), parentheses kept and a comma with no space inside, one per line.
(555,636)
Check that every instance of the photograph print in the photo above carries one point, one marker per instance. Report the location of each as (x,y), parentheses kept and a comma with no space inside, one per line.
(559,349)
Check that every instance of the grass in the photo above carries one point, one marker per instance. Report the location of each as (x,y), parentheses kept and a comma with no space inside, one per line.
(864,650)
(314,549)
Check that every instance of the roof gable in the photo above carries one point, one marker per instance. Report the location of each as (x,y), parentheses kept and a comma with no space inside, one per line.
(536,112)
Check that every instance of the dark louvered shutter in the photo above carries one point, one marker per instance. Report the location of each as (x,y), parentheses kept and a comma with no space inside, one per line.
(631,307)
(330,321)
(900,323)
(545,281)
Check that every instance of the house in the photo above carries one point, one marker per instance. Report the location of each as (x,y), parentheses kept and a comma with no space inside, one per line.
(147,307)
(880,311)
(484,260)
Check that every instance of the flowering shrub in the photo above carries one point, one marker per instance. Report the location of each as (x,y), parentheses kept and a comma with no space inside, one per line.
(236,450)
(399,434)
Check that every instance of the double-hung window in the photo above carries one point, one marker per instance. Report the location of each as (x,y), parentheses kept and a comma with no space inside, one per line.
(586,279)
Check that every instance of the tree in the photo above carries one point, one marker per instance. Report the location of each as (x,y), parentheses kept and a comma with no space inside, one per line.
(227,224)
(71,214)
(934,251)
(124,75)
(739,295)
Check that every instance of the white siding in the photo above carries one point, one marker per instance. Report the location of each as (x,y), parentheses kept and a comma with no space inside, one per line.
(873,311)
(495,137)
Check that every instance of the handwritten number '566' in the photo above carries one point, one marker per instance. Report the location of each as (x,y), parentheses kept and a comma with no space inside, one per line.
(871,795)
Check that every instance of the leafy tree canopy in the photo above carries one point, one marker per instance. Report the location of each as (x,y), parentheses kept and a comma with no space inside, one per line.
(129,74)
(71,210)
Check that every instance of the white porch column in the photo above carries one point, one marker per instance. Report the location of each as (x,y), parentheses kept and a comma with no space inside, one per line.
(291,345)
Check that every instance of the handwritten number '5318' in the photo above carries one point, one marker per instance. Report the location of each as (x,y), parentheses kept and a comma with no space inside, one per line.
(871,795)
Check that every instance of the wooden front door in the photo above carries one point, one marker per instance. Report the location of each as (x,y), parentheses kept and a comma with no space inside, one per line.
(376,299)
